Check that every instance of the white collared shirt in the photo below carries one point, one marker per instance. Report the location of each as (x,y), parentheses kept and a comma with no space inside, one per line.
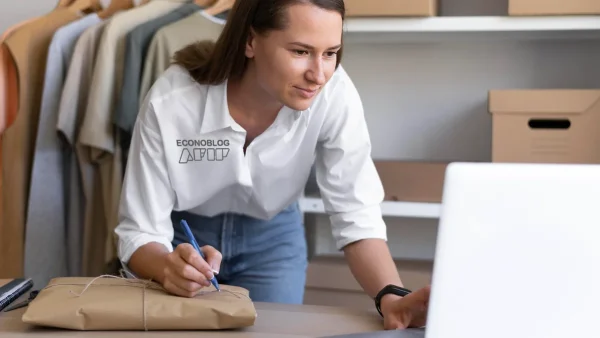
(187,154)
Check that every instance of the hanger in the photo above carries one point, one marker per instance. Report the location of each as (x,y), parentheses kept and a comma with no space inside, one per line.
(114,7)
(63,3)
(219,7)
(204,3)
(84,5)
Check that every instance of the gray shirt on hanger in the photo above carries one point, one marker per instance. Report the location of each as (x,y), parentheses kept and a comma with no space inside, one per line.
(137,43)
(45,241)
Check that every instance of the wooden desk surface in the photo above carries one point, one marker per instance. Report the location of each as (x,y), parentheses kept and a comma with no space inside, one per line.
(274,320)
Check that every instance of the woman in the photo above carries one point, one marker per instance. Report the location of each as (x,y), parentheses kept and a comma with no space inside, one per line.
(227,137)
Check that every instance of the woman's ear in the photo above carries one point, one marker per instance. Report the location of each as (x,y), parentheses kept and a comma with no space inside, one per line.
(250,44)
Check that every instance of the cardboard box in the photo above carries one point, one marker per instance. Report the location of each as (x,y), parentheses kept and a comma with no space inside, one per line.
(545,126)
(412,181)
(554,7)
(364,8)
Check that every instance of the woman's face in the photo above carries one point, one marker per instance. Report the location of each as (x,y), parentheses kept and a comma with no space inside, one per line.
(293,65)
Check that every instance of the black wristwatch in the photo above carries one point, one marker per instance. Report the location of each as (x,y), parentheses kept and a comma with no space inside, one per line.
(393,289)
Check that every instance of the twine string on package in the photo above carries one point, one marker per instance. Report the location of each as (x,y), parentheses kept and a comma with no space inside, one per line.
(145,284)
(107,302)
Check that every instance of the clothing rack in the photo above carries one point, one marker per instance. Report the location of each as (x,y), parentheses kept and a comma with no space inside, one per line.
(72,82)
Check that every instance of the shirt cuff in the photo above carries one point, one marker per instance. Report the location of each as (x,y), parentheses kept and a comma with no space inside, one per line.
(366,223)
(128,247)
(126,273)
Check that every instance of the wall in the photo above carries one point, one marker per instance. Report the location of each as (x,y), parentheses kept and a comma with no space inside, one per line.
(12,12)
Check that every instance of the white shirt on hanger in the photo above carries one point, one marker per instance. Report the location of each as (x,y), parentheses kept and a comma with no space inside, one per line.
(187,154)
(213,18)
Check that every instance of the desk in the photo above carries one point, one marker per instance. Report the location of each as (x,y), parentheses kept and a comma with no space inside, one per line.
(273,321)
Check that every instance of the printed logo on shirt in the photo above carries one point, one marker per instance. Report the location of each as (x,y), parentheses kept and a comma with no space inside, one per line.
(203,150)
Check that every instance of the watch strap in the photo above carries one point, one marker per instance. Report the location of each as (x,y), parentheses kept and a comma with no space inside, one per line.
(389,289)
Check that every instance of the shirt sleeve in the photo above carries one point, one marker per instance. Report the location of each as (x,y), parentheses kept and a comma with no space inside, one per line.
(147,198)
(128,104)
(350,186)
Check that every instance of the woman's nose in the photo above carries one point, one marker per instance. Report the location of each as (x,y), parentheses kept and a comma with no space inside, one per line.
(315,73)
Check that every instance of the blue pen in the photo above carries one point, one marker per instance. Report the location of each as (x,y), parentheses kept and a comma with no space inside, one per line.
(192,240)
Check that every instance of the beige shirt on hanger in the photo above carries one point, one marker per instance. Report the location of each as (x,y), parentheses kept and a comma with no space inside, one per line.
(9,99)
(85,182)
(169,39)
(98,131)
(9,94)
(29,47)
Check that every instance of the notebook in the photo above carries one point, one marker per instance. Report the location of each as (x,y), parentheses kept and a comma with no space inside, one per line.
(11,289)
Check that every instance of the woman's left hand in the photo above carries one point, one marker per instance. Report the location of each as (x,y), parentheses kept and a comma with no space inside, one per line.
(405,312)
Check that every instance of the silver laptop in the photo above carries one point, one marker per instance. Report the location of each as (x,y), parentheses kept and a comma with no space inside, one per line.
(518,252)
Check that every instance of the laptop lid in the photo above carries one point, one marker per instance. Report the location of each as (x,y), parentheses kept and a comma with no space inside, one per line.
(517,253)
(406,333)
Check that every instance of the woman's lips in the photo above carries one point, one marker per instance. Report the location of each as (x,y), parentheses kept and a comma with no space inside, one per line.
(306,93)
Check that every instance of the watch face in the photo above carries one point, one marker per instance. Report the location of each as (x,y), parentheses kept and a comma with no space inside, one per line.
(397,290)
(393,289)
(403,291)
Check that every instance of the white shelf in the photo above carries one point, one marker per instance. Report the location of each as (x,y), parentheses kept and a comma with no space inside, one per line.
(470,27)
(389,209)
(474,24)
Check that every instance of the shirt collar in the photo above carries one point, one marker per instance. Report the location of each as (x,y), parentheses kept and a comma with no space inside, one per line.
(216,113)
(217,116)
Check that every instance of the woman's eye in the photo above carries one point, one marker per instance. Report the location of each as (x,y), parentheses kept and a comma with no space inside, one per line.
(331,54)
(300,52)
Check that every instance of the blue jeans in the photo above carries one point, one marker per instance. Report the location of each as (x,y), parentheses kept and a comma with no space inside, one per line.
(268,258)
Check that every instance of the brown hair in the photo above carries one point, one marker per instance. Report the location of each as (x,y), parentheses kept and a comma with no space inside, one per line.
(210,62)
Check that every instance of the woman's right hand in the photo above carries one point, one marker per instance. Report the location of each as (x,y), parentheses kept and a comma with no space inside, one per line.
(185,272)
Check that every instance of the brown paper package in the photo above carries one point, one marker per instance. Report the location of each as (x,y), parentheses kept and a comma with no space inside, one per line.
(104,303)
